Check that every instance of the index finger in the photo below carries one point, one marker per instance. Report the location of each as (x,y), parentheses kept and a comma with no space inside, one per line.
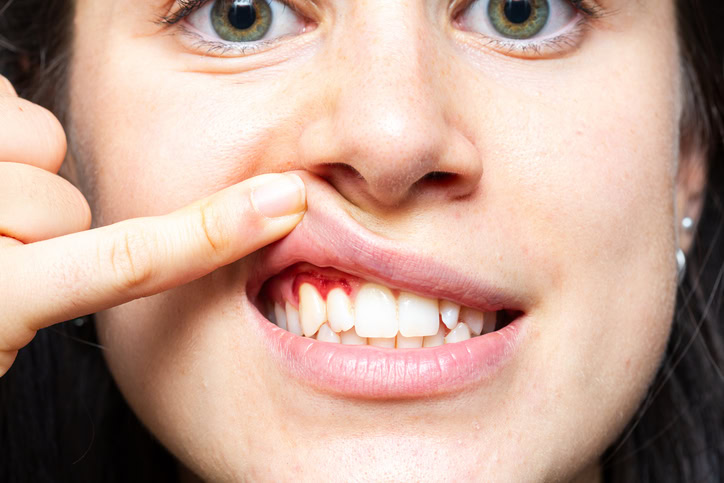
(74,275)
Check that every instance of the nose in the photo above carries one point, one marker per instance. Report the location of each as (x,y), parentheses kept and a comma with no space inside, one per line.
(386,130)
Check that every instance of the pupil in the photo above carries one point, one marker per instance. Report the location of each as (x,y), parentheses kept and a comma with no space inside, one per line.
(242,14)
(517,11)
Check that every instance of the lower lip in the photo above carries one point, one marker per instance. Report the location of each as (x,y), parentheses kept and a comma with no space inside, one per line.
(374,373)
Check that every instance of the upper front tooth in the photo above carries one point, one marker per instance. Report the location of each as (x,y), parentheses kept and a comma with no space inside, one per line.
(312,309)
(474,319)
(419,316)
(449,312)
(339,310)
(281,316)
(375,312)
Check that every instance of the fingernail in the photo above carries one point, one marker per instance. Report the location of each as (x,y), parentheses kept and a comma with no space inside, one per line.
(282,196)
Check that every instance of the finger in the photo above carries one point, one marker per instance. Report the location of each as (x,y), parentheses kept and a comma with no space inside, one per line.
(86,272)
(36,205)
(29,133)
(6,87)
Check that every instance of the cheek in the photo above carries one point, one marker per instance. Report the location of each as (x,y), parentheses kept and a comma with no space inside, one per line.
(146,136)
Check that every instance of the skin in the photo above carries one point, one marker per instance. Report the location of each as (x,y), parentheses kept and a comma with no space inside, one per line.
(567,173)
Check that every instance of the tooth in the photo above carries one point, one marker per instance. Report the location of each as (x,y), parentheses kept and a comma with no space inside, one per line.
(449,312)
(281,316)
(460,333)
(375,312)
(489,320)
(271,315)
(474,319)
(293,325)
(350,337)
(419,316)
(312,309)
(381,342)
(408,342)
(339,310)
(434,340)
(326,334)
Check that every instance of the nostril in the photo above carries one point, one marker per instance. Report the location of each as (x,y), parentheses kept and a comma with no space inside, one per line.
(437,178)
(341,170)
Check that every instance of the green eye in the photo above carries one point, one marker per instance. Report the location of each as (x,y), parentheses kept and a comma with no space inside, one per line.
(241,20)
(518,19)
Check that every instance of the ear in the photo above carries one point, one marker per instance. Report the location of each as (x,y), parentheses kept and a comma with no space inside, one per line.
(690,191)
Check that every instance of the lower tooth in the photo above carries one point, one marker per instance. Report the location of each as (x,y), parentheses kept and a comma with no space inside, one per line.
(434,340)
(474,320)
(408,342)
(350,337)
(460,333)
(326,334)
(293,324)
(380,342)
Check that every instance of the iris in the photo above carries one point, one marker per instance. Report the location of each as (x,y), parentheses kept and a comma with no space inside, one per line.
(241,20)
(518,19)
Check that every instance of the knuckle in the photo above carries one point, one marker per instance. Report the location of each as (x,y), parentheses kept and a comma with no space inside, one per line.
(213,232)
(126,255)
(15,335)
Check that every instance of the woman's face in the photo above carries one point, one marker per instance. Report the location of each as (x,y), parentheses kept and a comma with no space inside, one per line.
(532,177)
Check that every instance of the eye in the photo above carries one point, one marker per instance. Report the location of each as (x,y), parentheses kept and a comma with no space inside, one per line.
(246,20)
(518,19)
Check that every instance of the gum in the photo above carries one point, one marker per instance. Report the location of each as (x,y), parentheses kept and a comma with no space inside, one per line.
(285,286)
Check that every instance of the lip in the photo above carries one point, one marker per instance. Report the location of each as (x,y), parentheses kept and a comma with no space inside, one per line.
(329,237)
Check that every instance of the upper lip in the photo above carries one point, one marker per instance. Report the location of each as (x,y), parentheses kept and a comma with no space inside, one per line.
(329,237)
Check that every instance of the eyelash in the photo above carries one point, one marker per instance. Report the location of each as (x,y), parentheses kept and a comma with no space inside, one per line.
(589,8)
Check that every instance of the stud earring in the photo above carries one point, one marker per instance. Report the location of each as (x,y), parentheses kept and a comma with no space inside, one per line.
(687,223)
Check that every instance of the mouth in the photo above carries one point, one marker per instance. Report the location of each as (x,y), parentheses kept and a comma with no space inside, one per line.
(354,314)
(329,305)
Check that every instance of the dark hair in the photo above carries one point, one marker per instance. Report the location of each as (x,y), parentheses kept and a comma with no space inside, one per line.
(62,417)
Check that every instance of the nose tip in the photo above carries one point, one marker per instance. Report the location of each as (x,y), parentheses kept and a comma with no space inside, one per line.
(393,145)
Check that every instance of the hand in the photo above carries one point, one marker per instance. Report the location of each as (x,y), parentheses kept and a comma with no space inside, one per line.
(53,268)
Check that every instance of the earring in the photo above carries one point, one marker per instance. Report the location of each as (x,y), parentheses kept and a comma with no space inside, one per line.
(680,264)
(687,223)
